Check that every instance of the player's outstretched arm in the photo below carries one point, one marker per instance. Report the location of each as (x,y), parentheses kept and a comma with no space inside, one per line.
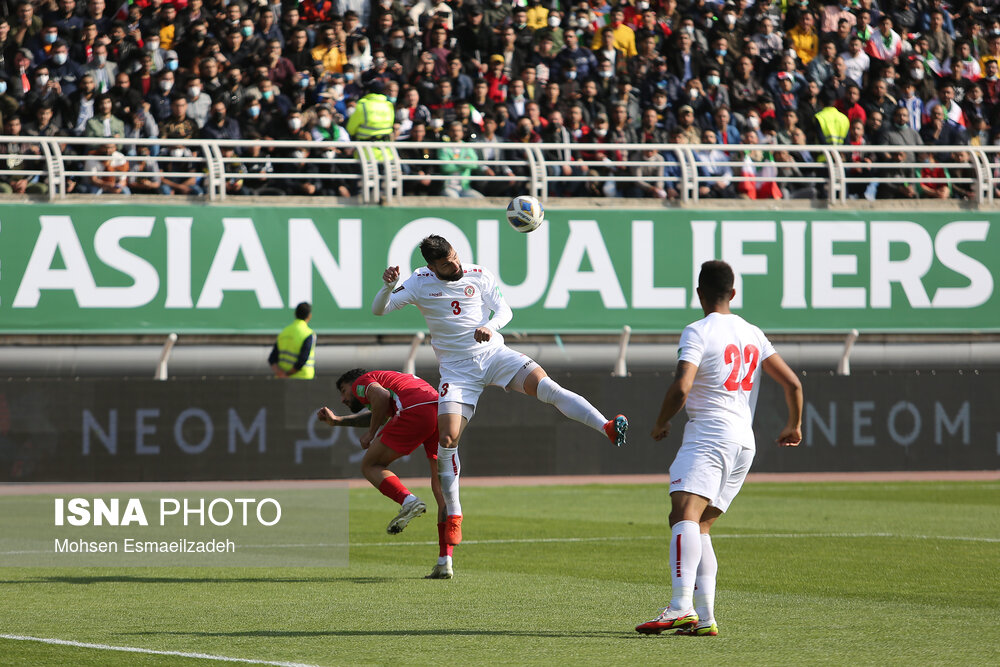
(675,398)
(780,372)
(389,278)
(327,416)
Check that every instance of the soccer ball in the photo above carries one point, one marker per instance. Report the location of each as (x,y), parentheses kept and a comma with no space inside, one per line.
(525,213)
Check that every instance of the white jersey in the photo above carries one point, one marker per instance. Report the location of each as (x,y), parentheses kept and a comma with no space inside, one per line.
(454,309)
(728,352)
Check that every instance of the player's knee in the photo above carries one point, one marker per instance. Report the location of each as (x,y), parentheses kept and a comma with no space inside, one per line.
(448,440)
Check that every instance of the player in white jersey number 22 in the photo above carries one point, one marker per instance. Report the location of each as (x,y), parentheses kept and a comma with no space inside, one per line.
(465,311)
(718,370)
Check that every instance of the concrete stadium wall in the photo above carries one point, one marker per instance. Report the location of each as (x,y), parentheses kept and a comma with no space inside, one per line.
(139,430)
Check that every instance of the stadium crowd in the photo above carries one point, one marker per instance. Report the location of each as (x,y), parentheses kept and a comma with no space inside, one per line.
(773,73)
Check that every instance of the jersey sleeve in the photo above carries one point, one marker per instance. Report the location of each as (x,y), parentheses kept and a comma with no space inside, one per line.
(360,387)
(691,347)
(766,348)
(493,298)
(390,299)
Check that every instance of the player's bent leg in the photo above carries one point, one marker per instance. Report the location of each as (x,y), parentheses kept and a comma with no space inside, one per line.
(374,467)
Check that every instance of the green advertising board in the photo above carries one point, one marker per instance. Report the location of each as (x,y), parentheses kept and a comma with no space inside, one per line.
(227,269)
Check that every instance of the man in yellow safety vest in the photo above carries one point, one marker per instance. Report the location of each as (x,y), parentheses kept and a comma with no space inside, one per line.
(294,354)
(373,116)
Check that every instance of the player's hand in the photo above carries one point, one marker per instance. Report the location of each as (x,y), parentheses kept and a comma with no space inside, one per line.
(366,440)
(790,436)
(483,334)
(391,275)
(326,416)
(660,432)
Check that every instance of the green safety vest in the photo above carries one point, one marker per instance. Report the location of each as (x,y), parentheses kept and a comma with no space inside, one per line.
(290,344)
(372,119)
(834,126)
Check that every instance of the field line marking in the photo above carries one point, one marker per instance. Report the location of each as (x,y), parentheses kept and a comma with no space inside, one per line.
(134,649)
(620,538)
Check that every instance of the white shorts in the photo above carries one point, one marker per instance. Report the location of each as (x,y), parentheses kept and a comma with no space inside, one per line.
(711,470)
(463,381)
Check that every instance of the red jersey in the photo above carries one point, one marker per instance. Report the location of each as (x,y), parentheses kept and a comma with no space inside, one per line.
(407,390)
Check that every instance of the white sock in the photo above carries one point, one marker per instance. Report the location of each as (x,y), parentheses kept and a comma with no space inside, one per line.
(572,405)
(409,498)
(685,553)
(449,468)
(704,590)
(444,560)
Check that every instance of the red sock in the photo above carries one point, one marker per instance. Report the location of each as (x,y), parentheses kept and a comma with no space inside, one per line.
(393,488)
(445,549)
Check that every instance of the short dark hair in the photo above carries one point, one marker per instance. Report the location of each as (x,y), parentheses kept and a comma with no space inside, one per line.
(434,247)
(350,376)
(716,280)
(303,310)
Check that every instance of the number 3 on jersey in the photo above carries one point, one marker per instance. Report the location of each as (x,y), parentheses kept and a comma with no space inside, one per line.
(751,357)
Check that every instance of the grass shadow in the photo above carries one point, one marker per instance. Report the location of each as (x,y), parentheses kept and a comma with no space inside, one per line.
(121,579)
(454,632)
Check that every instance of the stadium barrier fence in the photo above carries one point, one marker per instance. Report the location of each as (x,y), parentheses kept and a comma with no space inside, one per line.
(387,173)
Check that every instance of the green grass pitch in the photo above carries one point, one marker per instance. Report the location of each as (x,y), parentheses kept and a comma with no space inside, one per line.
(845,573)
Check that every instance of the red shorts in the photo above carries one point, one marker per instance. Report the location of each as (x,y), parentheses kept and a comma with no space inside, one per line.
(411,428)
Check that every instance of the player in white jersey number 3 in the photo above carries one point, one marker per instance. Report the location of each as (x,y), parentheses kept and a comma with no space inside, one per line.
(465,311)
(718,370)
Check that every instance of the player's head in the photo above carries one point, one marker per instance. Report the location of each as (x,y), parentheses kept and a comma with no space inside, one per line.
(303,311)
(441,258)
(344,384)
(715,283)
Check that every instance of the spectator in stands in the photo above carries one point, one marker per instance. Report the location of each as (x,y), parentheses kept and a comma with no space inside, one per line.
(104,123)
(715,176)
(22,159)
(103,169)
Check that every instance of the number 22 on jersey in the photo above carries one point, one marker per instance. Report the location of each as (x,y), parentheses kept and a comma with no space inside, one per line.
(750,358)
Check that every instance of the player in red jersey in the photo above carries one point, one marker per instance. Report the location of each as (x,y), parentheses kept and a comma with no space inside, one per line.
(400,412)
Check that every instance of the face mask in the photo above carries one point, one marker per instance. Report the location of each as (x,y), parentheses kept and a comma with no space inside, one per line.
(730,20)
(177,152)
(247,31)
(152,46)
(918,74)
(713,80)
(253,112)
(304,82)
(325,121)
(660,106)
(601,132)
(329,155)
(218,116)
(889,80)
(60,58)
(194,91)
(172,65)
(398,43)
(571,74)
(606,73)
(553,21)
(721,52)
(689,29)
(693,93)
(268,94)
(3,87)
(348,76)
(294,124)
(50,37)
(42,79)
(338,90)
(900,126)
(643,6)
(100,60)
(754,122)
(379,62)
(165,86)
(302,155)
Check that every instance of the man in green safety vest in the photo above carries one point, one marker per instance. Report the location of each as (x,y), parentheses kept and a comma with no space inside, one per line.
(294,354)
(373,116)
(832,123)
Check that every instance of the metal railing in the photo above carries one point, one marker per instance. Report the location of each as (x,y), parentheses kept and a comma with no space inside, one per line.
(391,172)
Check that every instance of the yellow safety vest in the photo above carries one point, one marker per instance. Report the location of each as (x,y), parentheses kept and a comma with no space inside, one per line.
(372,118)
(834,126)
(290,344)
